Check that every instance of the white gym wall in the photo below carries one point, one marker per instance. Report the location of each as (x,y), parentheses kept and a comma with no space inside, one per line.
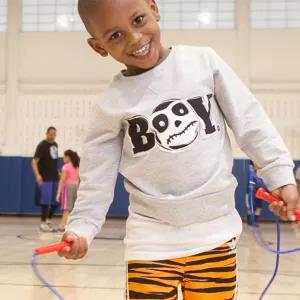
(53,78)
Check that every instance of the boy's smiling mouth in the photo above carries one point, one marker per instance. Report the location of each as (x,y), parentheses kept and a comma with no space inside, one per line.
(142,52)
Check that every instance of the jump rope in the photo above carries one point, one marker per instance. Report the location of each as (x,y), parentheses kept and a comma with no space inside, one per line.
(261,193)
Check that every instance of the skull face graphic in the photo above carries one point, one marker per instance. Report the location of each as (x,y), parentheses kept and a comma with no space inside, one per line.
(175,124)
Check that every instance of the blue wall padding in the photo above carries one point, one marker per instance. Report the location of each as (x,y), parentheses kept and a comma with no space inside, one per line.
(17,188)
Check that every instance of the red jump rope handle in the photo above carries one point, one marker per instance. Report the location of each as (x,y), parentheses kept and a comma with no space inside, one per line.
(264,195)
(52,248)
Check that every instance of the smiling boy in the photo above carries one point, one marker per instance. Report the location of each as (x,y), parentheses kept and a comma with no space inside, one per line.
(161,124)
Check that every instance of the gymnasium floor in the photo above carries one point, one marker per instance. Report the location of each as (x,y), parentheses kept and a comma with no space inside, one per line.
(101,276)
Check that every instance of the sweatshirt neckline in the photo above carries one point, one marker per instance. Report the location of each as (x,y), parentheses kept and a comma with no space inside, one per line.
(121,76)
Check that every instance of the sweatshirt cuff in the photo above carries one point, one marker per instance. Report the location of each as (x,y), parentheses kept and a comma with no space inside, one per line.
(275,178)
(83,229)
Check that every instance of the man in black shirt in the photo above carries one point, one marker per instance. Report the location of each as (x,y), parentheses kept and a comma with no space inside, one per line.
(45,168)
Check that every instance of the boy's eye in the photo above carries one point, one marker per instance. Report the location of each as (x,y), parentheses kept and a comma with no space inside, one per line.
(138,20)
(115,35)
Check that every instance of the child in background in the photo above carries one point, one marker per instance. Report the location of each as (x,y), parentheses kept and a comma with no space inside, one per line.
(257,203)
(68,185)
(297,176)
(162,124)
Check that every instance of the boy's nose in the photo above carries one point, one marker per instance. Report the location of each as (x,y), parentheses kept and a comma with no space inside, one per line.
(135,37)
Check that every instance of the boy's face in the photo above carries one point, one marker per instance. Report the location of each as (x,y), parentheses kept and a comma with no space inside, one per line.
(128,31)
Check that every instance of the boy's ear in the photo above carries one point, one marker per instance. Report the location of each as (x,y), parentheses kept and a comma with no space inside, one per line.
(96,46)
(154,9)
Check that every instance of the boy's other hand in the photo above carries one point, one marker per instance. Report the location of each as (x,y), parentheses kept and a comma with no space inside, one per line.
(78,249)
(286,208)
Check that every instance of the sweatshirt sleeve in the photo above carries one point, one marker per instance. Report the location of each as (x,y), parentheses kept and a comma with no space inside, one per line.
(252,128)
(98,173)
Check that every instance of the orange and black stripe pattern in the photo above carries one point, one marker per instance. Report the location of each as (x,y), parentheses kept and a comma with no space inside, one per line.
(206,276)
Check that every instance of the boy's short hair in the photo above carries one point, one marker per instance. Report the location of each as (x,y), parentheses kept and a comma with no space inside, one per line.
(84,7)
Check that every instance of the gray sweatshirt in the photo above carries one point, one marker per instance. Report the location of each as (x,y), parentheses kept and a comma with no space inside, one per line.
(165,132)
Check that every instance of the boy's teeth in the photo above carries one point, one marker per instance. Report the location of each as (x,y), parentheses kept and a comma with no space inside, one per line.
(141,50)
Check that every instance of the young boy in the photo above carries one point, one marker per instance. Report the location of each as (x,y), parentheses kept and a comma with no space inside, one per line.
(161,123)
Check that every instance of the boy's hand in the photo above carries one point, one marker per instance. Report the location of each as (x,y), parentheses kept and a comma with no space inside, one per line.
(78,248)
(285,209)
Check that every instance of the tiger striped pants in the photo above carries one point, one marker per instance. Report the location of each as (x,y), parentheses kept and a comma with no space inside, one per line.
(207,276)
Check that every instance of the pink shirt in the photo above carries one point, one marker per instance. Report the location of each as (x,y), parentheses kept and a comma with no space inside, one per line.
(72,174)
